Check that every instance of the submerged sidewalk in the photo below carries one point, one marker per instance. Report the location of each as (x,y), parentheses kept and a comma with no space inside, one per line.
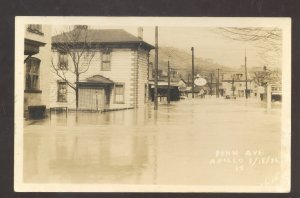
(195,142)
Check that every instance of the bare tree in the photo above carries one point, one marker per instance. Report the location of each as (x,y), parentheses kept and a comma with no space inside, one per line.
(75,45)
(263,78)
(268,41)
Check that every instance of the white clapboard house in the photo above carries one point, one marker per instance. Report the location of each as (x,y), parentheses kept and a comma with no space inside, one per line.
(117,76)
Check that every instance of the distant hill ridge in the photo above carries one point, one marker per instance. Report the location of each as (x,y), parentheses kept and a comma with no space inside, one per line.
(181,61)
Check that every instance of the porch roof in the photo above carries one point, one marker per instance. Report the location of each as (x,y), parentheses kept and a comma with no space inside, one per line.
(96,80)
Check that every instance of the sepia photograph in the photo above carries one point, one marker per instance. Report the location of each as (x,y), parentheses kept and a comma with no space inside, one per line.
(152,104)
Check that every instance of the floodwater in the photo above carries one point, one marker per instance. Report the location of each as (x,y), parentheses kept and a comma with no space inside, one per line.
(193,142)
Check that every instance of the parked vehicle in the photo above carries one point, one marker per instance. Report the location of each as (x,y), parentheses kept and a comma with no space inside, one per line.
(230,97)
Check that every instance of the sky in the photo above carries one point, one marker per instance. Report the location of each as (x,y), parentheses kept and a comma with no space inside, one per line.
(206,42)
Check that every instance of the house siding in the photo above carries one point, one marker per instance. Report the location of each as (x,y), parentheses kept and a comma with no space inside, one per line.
(124,70)
(141,95)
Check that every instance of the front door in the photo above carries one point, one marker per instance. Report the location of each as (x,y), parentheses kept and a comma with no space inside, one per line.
(91,99)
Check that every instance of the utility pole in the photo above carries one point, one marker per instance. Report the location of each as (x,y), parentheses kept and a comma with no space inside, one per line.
(246,92)
(232,86)
(218,83)
(211,84)
(156,69)
(193,72)
(169,73)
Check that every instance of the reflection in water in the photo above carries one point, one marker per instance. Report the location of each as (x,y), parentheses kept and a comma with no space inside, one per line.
(174,145)
(80,158)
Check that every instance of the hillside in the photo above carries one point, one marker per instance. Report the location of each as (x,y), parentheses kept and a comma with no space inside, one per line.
(181,61)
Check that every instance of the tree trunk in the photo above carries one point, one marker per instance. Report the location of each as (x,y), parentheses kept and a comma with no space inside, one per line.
(76,90)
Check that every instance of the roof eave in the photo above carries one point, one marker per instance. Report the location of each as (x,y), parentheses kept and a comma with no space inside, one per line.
(141,43)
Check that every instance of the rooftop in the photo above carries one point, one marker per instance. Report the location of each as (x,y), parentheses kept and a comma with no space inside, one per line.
(99,36)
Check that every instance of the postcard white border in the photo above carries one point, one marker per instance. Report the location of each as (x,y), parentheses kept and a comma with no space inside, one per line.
(283,23)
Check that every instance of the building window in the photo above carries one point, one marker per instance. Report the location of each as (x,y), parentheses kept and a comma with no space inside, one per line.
(63,60)
(35,28)
(119,93)
(61,92)
(32,74)
(105,61)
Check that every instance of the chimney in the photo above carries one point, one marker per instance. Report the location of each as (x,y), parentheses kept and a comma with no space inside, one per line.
(140,33)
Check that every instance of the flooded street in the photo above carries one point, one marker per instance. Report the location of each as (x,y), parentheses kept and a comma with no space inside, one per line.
(193,142)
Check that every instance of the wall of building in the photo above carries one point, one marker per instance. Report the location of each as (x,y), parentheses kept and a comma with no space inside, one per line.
(240,86)
(32,99)
(142,93)
(123,70)
(44,78)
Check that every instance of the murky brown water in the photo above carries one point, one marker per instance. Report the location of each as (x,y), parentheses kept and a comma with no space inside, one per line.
(200,142)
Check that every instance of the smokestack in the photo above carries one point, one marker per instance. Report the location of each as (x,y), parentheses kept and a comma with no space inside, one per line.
(140,33)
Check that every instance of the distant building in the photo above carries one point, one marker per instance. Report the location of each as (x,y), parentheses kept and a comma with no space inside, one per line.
(209,88)
(37,58)
(175,83)
(264,77)
(188,91)
(235,84)
(182,85)
(162,91)
(117,76)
